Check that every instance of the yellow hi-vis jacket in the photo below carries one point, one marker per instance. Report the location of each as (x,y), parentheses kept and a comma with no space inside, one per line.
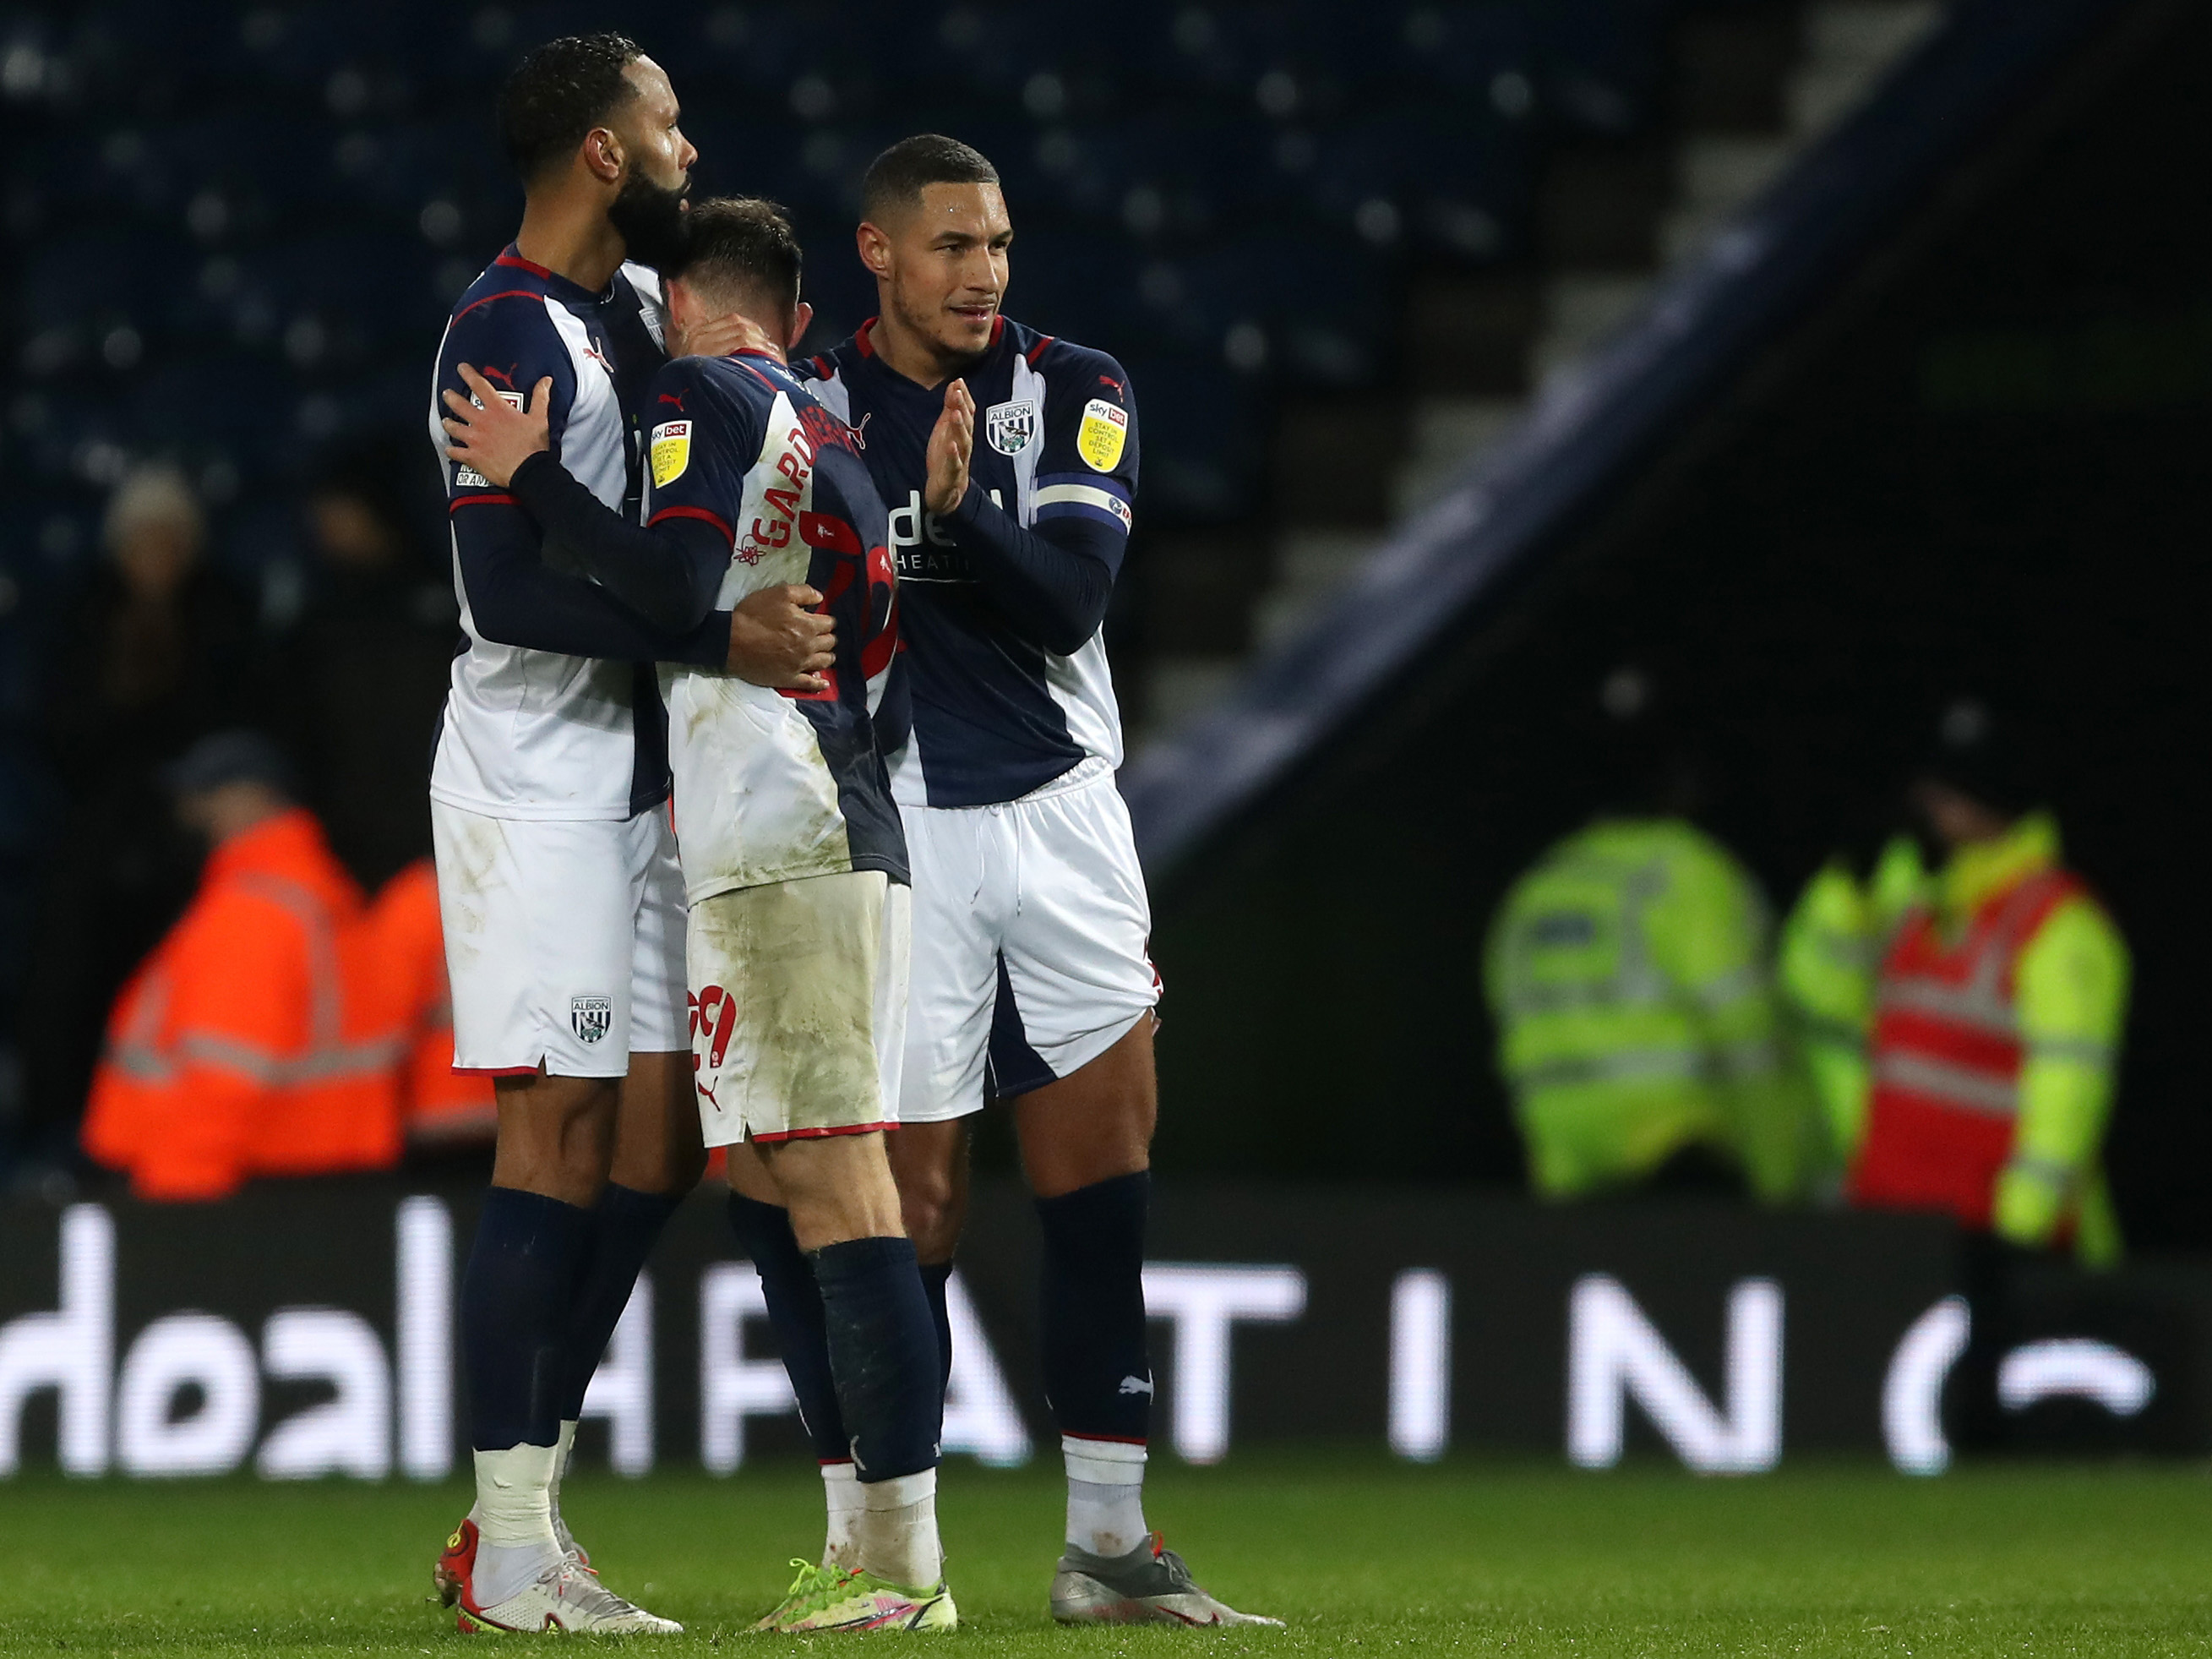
(1629,977)
(1833,942)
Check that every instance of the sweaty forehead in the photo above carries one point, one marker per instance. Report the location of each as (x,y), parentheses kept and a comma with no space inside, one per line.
(655,97)
(978,211)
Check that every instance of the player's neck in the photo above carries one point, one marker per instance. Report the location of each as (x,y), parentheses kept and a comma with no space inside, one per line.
(571,238)
(914,355)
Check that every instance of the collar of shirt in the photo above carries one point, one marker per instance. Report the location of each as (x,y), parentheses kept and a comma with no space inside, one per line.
(555,284)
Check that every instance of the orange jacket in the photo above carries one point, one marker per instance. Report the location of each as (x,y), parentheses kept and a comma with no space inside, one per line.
(257,1039)
(438,1106)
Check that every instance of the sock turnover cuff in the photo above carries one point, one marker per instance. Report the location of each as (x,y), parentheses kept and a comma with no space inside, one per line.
(900,1492)
(1104,1462)
(853,1257)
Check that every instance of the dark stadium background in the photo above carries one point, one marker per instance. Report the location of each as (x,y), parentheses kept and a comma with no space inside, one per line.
(1982,465)
(1978,463)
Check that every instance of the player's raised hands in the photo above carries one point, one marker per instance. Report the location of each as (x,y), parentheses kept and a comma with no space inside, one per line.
(492,436)
(951,442)
(716,336)
(777,638)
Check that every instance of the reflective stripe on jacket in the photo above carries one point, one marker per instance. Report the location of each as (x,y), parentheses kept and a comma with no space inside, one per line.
(258,1038)
(1628,974)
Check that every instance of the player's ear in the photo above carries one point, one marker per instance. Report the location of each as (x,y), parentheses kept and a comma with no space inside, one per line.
(604,154)
(875,248)
(800,319)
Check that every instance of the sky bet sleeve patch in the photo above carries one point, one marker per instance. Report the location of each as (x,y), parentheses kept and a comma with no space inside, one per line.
(671,452)
(1099,439)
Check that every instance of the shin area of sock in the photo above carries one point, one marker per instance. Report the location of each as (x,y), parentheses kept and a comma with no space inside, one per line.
(516,1304)
(795,1309)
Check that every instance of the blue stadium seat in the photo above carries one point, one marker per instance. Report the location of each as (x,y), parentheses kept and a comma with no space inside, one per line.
(273,207)
(215,404)
(1457,52)
(70,281)
(1072,284)
(1201,455)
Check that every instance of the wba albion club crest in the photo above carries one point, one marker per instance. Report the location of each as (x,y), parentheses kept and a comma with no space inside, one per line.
(591,1017)
(1010,426)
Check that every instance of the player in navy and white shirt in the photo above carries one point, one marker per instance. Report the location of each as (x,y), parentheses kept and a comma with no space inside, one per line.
(558,887)
(795,862)
(1017,692)
(1008,459)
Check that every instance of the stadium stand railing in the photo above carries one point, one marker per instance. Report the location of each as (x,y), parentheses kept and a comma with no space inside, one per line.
(1454,567)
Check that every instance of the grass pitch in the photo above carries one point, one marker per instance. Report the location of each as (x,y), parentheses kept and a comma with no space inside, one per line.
(1360,1555)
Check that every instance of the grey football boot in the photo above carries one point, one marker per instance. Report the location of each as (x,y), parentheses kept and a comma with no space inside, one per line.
(1150,1585)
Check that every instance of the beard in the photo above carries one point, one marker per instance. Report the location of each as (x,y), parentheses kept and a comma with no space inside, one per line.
(650,220)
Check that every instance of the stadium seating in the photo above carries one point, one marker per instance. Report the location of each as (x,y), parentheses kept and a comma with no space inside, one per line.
(1232,190)
(236,229)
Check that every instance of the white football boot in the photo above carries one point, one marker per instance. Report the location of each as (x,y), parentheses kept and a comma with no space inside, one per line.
(564,1597)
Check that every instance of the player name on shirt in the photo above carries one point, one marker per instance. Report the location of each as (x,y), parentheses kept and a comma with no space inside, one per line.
(772,786)
(996,714)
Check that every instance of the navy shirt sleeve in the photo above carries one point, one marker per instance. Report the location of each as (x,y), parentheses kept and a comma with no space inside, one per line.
(514,597)
(1053,580)
(670,572)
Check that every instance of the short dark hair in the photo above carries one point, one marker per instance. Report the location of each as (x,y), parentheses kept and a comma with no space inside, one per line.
(898,177)
(736,247)
(558,93)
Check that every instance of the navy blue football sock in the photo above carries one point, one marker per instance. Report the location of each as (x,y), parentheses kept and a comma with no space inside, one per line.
(516,1297)
(883,1354)
(795,1310)
(1091,1320)
(625,1223)
(934,1274)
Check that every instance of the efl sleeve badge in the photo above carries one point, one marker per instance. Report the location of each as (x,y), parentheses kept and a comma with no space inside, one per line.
(671,452)
(1105,429)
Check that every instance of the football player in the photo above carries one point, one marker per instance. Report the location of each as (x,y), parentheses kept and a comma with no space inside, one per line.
(558,888)
(793,857)
(1008,458)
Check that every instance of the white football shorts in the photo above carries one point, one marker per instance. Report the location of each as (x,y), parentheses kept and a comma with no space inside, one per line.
(1030,931)
(799,993)
(564,940)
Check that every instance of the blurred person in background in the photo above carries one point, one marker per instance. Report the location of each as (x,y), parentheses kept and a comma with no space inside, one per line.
(1630,976)
(161,651)
(258,1038)
(444,1115)
(1832,943)
(1998,1014)
(366,669)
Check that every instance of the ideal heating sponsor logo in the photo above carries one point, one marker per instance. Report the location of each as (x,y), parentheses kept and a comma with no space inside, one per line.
(925,552)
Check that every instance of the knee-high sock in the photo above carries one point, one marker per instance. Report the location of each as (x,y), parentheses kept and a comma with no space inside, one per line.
(625,1225)
(517,1297)
(934,1277)
(795,1310)
(1092,1317)
(883,1355)
(885,1359)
